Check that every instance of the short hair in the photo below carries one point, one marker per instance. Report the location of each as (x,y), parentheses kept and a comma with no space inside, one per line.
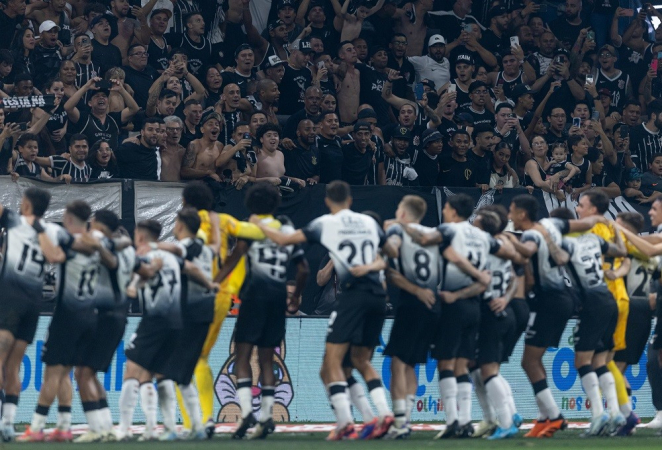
(115,73)
(167,93)
(267,127)
(22,77)
(634,219)
(632,102)
(598,199)
(190,218)
(562,213)
(198,195)
(395,35)
(481,128)
(655,155)
(178,51)
(262,198)
(79,209)
(170,119)
(150,226)
(338,191)
(94,7)
(6,57)
(25,138)
(494,211)
(574,140)
(152,120)
(459,132)
(191,101)
(654,107)
(462,204)
(78,137)
(593,154)
(188,16)
(501,106)
(108,218)
(132,46)
(342,44)
(39,199)
(323,115)
(255,113)
(415,205)
(528,204)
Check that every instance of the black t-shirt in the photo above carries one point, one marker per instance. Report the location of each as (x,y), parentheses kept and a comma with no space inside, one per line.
(457,173)
(105,56)
(187,136)
(138,162)
(372,84)
(8,28)
(355,165)
(407,72)
(634,64)
(199,53)
(5,156)
(483,165)
(480,117)
(494,44)
(292,89)
(426,168)
(290,129)
(301,163)
(158,58)
(140,82)
(239,80)
(331,158)
(91,126)
(565,32)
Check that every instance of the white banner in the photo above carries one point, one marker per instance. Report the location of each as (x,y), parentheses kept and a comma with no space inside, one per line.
(159,201)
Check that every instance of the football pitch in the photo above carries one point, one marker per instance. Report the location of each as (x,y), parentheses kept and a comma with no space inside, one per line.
(569,439)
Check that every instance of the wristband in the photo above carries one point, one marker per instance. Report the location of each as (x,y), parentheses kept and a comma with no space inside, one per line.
(153,245)
(38,227)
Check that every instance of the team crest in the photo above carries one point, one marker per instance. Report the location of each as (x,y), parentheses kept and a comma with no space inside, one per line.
(621,84)
(313,160)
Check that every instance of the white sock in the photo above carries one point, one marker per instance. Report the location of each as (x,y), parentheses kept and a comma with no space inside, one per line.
(608,387)
(592,389)
(360,401)
(378,396)
(192,404)
(340,402)
(448,390)
(400,412)
(167,403)
(481,394)
(509,393)
(546,398)
(148,402)
(106,418)
(8,413)
(245,394)
(127,404)
(63,420)
(38,422)
(497,396)
(267,403)
(542,411)
(411,400)
(626,409)
(464,402)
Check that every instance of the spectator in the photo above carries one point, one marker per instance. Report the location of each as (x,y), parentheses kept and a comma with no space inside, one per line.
(53,141)
(457,170)
(104,54)
(303,161)
(651,179)
(567,27)
(166,105)
(495,39)
(633,191)
(327,84)
(177,79)
(57,13)
(81,24)
(357,156)
(406,24)
(22,52)
(102,161)
(608,77)
(47,55)
(433,66)
(310,111)
(271,162)
(125,29)
(398,61)
(172,153)
(158,48)
(372,83)
(212,82)
(316,19)
(238,162)
(267,95)
(228,108)
(85,68)
(578,146)
(67,75)
(243,71)
(645,139)
(453,22)
(426,161)
(202,153)
(542,59)
(73,168)
(481,154)
(297,78)
(286,13)
(180,9)
(348,24)
(7,139)
(479,96)
(138,157)
(192,114)
(557,121)
(99,123)
(193,42)
(399,170)
(273,68)
(24,158)
(330,148)
(23,87)
(501,174)
(600,177)
(273,43)
(361,47)
(138,74)
(11,16)
(464,70)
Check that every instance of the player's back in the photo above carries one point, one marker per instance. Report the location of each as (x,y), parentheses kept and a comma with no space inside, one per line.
(78,282)
(468,241)
(501,271)
(546,272)
(639,277)
(585,264)
(198,300)
(161,294)
(419,264)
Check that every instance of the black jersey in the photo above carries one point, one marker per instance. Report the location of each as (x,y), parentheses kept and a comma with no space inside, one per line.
(161,294)
(617,85)
(24,169)
(231,120)
(95,130)
(585,264)
(293,88)
(580,179)
(331,158)
(159,57)
(199,53)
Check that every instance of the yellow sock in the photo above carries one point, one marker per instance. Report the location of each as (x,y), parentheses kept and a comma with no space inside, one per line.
(621,390)
(186,422)
(205,384)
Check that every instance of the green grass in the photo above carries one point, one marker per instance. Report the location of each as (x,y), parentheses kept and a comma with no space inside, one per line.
(570,439)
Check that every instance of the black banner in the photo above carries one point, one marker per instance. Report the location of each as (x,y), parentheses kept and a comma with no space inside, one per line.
(32,101)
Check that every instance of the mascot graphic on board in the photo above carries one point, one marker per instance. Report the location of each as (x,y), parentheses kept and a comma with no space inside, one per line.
(226,387)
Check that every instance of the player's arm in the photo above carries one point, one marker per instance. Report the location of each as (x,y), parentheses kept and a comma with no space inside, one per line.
(52,253)
(196,275)
(171,247)
(499,304)
(88,244)
(378,264)
(424,239)
(622,271)
(242,230)
(276,236)
(426,296)
(147,270)
(231,261)
(527,249)
(560,256)
(465,266)
(642,245)
(507,251)
(470,291)
(586,223)
(325,273)
(618,248)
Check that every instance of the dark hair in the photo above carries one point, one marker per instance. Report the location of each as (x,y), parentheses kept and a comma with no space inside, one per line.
(17,47)
(178,51)
(191,101)
(482,128)
(151,227)
(654,107)
(167,93)
(108,218)
(503,144)
(634,219)
(264,129)
(528,204)
(152,120)
(25,137)
(188,16)
(198,195)
(78,137)
(562,213)
(262,198)
(593,154)
(190,218)
(490,222)
(631,101)
(655,155)
(255,113)
(92,156)
(459,132)
(501,106)
(39,198)
(94,7)
(342,44)
(205,70)
(132,46)
(501,212)
(462,204)
(6,56)
(79,209)
(50,82)
(574,140)
(22,77)
(598,199)
(395,35)
(338,191)
(375,216)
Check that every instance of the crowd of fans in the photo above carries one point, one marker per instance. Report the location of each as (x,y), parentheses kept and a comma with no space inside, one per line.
(493,94)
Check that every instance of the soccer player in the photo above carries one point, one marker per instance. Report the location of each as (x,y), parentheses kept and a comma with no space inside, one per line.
(261,320)
(417,276)
(598,313)
(352,239)
(29,244)
(72,327)
(553,305)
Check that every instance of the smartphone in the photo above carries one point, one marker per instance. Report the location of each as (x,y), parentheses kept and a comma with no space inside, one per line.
(85,41)
(514,41)
(320,64)
(511,116)
(452,88)
(589,79)
(654,64)
(595,115)
(659,55)
(467,28)
(576,122)
(590,35)
(103,84)
(418,91)
(23,126)
(625,131)
(558,60)
(247,135)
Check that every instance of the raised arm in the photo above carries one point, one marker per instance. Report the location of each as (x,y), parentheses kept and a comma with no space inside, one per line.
(278,237)
(70,106)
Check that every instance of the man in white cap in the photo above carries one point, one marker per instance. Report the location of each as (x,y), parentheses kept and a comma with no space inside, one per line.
(47,56)
(433,66)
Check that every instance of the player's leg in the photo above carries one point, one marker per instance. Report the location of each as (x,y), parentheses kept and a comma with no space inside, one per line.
(333,376)
(266,425)
(654,372)
(489,422)
(591,385)
(463,381)
(89,397)
(497,395)
(53,376)
(535,371)
(357,393)
(62,432)
(131,390)
(399,391)
(167,399)
(6,344)
(12,387)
